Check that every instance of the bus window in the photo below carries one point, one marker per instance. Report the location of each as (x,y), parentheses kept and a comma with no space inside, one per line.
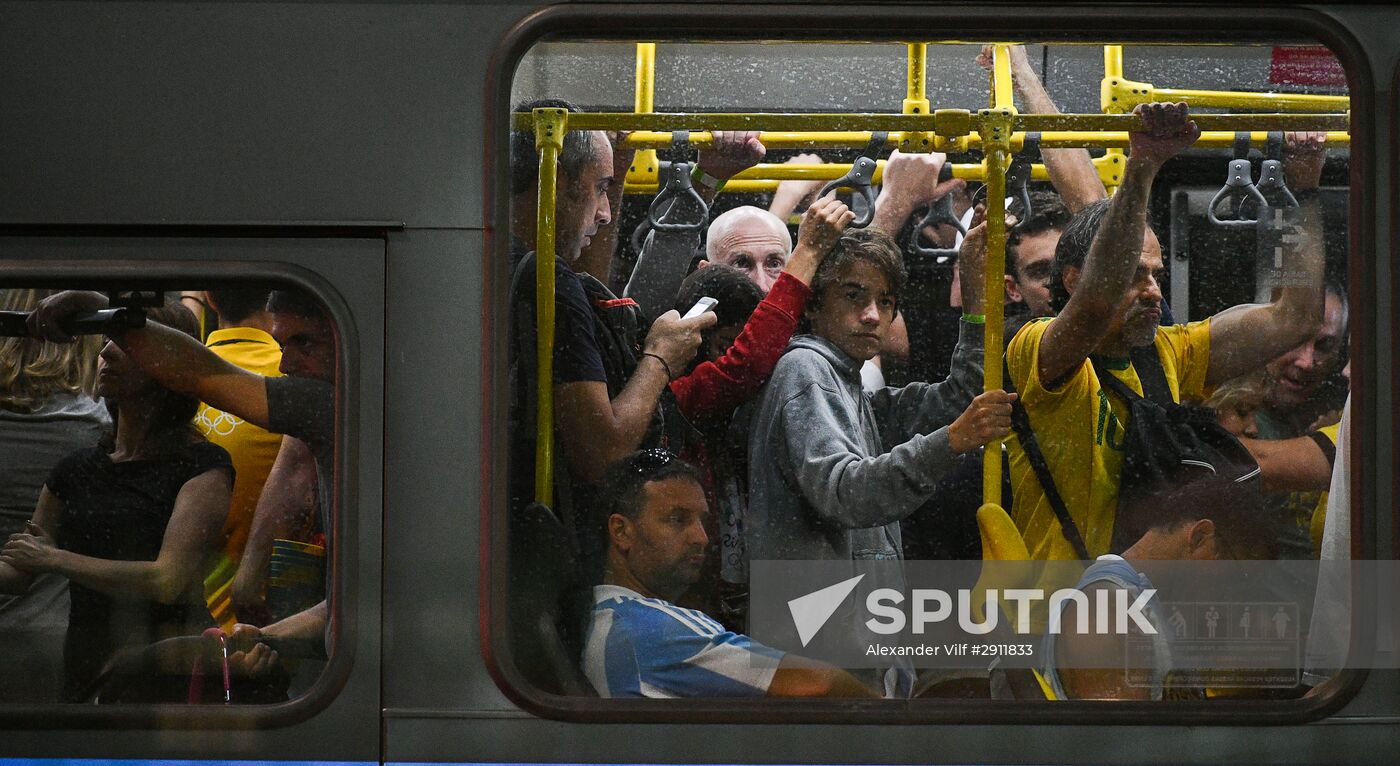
(822,333)
(166,503)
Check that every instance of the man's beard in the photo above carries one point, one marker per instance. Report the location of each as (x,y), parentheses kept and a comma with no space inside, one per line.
(1138,330)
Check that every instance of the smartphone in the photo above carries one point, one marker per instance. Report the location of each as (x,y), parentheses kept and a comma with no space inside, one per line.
(701,306)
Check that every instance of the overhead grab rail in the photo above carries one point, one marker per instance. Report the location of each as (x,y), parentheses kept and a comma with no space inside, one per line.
(128,313)
(1118,94)
(860,178)
(764,177)
(653,130)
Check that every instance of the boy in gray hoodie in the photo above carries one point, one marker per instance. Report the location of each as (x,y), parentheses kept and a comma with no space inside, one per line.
(833,470)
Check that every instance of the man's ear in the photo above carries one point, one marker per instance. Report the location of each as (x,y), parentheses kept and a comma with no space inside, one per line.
(1013,293)
(702,264)
(1070,277)
(620,532)
(1201,543)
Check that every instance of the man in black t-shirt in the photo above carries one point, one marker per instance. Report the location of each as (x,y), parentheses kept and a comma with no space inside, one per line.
(607,378)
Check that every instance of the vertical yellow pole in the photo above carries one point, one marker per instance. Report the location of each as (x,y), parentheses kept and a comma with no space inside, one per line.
(997,124)
(997,160)
(550,125)
(645,169)
(916,92)
(1113,61)
(1112,68)
(1001,78)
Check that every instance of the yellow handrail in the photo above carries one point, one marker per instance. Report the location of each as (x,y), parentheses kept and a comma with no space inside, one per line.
(1112,66)
(859,125)
(764,177)
(550,125)
(996,145)
(644,162)
(916,93)
(1051,139)
(1118,94)
(1001,77)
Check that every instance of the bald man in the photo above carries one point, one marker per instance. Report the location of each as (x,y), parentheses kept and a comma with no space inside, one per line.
(751,240)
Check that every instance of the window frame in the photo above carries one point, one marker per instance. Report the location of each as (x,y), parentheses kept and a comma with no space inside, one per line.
(175,268)
(1185,24)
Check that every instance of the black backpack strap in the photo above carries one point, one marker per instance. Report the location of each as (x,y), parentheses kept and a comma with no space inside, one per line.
(1149,368)
(1021,424)
(1150,374)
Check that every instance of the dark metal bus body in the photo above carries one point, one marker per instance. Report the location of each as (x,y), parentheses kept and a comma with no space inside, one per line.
(358,149)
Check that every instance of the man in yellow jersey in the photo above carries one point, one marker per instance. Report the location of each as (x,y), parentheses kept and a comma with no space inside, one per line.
(1104,286)
(243,339)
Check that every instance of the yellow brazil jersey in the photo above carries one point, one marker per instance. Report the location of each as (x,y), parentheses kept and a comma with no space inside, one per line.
(1079,427)
(253,451)
(1318,519)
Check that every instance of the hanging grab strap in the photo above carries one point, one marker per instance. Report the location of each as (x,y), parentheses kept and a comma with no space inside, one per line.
(1271,184)
(1239,188)
(1018,178)
(940,212)
(860,177)
(678,186)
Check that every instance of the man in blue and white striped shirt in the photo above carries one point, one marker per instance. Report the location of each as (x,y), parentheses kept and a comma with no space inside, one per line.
(639,643)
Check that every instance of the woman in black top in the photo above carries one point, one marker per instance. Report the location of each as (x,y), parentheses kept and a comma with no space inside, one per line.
(130,523)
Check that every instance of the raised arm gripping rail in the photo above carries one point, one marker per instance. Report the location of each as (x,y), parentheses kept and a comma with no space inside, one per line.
(1239,188)
(860,176)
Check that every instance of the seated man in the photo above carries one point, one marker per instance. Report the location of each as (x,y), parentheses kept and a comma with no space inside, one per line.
(1210,516)
(1104,285)
(639,644)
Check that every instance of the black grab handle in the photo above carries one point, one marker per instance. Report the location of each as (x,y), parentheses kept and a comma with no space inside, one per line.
(14,324)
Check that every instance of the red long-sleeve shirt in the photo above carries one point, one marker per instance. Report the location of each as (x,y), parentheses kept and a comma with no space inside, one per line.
(714,389)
